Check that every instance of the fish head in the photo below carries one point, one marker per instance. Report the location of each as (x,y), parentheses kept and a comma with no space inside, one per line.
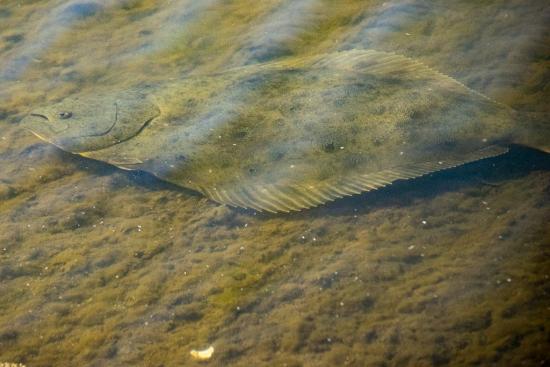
(92,122)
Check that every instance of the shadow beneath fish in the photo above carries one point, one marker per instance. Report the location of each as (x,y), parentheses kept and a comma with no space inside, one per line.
(519,162)
(121,178)
(490,173)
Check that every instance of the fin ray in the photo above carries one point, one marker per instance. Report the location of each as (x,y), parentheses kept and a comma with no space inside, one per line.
(294,197)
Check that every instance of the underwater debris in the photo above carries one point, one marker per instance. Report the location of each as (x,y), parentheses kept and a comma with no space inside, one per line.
(201,355)
(8,364)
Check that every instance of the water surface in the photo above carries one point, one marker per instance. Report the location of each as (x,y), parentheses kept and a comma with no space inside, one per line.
(100,266)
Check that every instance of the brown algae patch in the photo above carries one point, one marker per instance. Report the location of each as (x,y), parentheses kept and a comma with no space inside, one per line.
(271,284)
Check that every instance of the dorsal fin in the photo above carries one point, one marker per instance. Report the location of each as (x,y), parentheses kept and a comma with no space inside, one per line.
(388,63)
(294,197)
(368,62)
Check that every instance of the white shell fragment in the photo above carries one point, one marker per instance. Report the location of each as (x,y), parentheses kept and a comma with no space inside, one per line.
(203,355)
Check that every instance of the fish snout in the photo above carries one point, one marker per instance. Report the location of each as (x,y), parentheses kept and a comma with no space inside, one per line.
(39,121)
(40,115)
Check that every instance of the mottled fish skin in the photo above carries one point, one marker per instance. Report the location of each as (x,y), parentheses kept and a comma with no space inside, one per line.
(296,133)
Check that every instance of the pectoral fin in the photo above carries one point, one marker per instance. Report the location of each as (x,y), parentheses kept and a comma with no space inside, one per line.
(121,162)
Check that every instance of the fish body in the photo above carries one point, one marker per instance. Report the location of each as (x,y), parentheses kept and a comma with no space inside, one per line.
(290,134)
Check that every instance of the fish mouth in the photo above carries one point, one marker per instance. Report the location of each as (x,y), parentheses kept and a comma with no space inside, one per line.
(40,115)
(42,124)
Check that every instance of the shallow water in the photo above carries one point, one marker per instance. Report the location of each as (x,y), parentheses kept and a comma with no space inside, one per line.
(100,266)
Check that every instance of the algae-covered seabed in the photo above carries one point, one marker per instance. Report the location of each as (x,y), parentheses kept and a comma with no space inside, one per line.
(100,266)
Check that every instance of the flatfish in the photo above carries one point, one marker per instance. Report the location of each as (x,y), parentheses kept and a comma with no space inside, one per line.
(290,134)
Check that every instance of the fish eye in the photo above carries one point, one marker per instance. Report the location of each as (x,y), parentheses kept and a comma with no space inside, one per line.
(65,115)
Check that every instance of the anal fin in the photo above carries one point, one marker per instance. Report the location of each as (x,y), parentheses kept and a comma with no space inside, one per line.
(294,197)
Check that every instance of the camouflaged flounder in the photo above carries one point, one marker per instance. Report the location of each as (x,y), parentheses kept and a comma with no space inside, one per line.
(290,134)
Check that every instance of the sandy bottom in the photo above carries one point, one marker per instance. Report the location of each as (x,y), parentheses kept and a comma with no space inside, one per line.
(103,266)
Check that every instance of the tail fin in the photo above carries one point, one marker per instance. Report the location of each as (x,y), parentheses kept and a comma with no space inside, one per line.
(534,130)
